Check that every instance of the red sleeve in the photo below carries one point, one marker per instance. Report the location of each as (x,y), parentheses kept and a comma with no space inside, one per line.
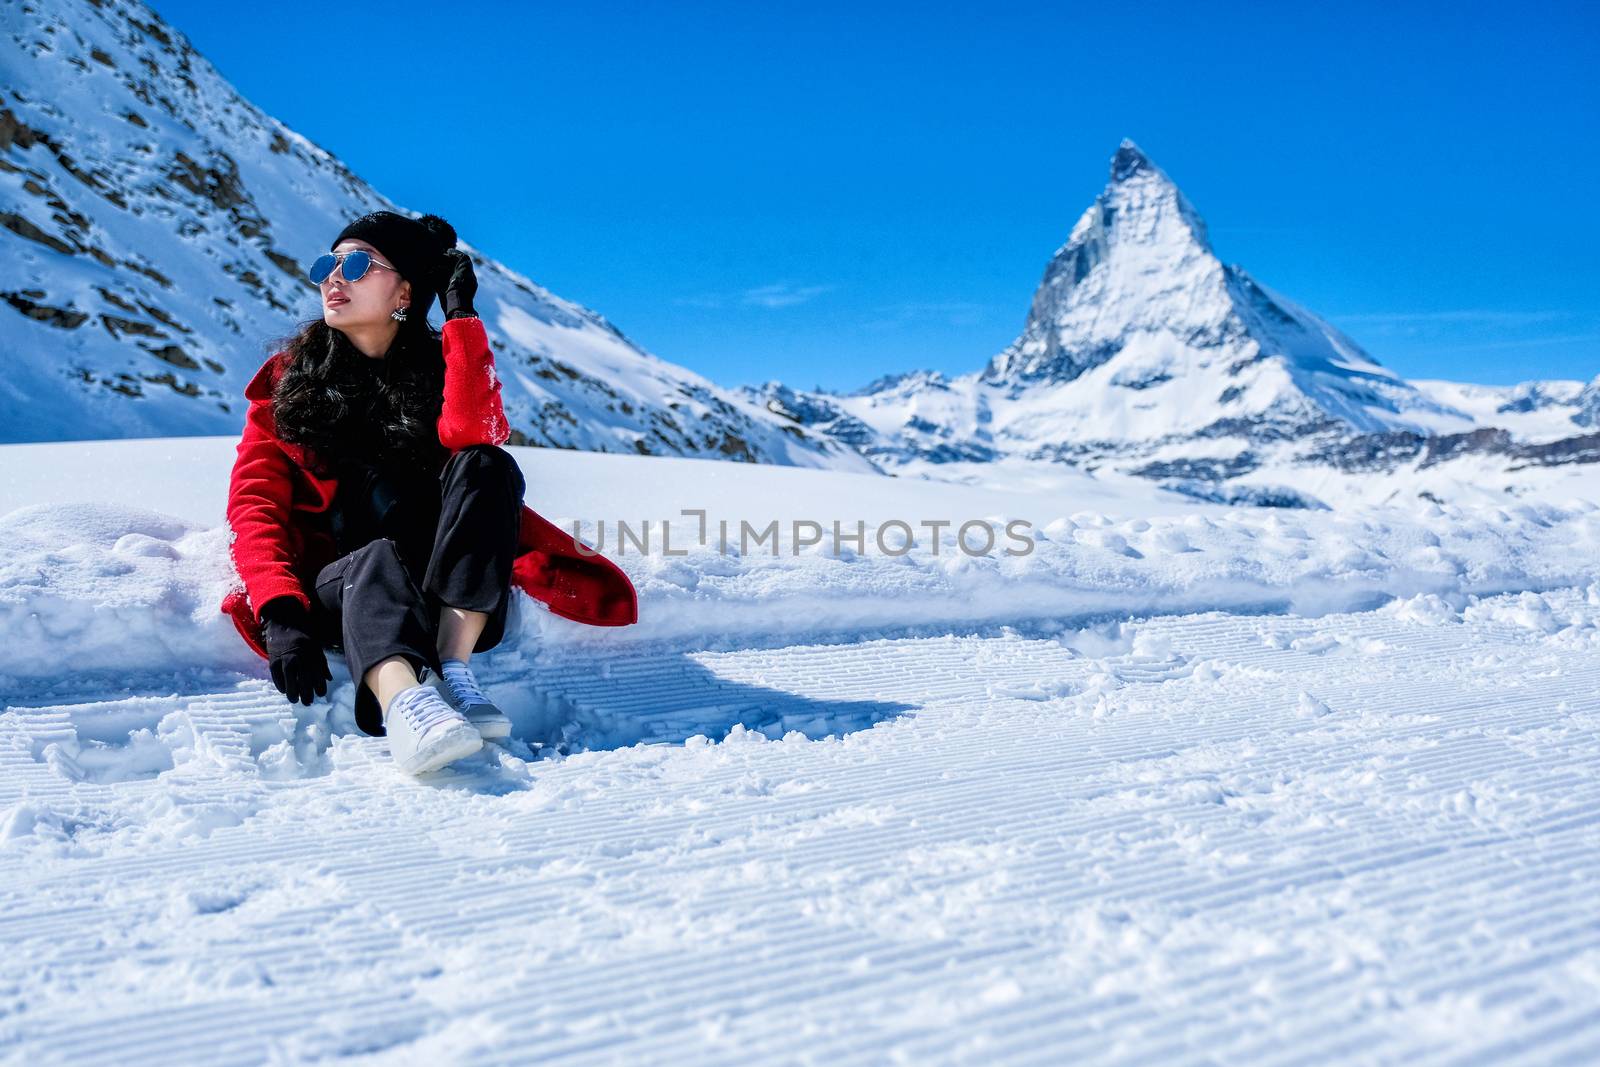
(472,414)
(259,493)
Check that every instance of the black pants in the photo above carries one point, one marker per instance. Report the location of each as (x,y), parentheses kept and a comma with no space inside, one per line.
(409,548)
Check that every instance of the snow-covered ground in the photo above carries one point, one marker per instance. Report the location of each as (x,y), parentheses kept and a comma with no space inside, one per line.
(1181,784)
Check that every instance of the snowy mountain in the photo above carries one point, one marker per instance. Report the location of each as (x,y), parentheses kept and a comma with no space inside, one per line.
(1144,351)
(1137,311)
(155,225)
(1533,411)
(1587,405)
(155,230)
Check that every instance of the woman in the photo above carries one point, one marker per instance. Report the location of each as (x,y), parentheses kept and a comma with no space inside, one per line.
(373,510)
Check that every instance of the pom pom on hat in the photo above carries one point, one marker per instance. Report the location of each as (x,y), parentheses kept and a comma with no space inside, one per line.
(441,229)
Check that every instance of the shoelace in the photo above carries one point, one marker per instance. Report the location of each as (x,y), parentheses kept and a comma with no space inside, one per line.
(422,708)
(462,685)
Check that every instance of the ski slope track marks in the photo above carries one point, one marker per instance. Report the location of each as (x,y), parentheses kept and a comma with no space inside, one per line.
(1363,837)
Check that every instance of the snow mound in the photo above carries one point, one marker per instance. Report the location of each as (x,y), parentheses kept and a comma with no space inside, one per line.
(113,590)
(107,588)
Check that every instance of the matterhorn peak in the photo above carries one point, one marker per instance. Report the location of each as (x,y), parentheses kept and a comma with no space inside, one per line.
(1138,260)
(1188,344)
(1130,161)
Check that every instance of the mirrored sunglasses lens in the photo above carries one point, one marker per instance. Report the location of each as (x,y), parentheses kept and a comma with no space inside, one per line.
(321,268)
(355,265)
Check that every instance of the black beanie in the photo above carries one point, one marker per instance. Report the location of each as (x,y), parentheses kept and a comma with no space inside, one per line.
(414,247)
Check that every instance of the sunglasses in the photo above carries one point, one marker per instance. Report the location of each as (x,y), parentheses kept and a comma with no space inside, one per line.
(354,268)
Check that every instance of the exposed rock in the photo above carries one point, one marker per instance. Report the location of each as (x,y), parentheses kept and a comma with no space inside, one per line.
(174,355)
(1204,469)
(116,326)
(62,318)
(23,228)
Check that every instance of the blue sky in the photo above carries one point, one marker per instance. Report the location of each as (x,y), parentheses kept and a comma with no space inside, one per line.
(827,193)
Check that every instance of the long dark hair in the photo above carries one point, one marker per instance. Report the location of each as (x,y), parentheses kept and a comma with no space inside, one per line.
(342,406)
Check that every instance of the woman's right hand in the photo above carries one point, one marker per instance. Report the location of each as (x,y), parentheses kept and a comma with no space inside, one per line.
(457,284)
(299,665)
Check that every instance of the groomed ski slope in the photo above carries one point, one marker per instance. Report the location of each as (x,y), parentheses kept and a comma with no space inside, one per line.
(1259,833)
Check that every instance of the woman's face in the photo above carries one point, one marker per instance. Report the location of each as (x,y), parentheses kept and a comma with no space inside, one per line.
(367,303)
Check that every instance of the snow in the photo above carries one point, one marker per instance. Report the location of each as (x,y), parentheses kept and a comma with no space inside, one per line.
(1184,784)
(104,583)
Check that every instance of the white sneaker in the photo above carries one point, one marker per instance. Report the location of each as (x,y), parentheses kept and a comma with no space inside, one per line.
(425,732)
(458,686)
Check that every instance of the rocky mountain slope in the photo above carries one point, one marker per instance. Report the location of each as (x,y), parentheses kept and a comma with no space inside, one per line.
(154,231)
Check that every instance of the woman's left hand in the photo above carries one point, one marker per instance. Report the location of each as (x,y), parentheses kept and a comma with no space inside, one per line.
(459,285)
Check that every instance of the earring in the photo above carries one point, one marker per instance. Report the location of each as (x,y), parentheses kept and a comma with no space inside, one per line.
(398,314)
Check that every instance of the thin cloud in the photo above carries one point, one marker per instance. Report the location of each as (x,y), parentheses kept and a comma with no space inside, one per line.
(943,312)
(1460,317)
(1529,342)
(783,295)
(776,295)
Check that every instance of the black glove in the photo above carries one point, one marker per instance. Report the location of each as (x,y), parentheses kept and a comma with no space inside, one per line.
(299,666)
(458,285)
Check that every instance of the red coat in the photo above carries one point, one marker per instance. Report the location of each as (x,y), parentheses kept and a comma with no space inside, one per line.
(277,551)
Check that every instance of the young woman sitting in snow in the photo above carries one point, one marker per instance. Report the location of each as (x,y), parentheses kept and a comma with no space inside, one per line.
(373,510)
